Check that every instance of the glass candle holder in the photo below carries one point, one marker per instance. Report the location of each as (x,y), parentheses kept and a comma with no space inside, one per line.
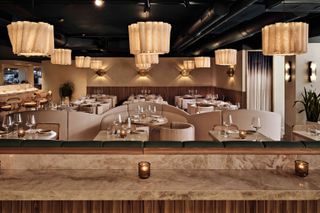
(123,133)
(301,168)
(144,168)
(21,133)
(242,134)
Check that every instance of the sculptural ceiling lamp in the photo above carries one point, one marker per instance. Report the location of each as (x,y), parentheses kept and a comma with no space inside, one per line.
(143,69)
(149,38)
(61,57)
(97,66)
(83,61)
(188,66)
(147,59)
(202,62)
(226,57)
(285,38)
(31,38)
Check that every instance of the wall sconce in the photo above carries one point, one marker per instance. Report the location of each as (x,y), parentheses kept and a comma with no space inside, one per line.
(101,72)
(143,72)
(185,72)
(288,71)
(230,71)
(312,74)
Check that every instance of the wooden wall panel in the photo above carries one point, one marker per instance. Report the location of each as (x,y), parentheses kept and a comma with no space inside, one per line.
(168,93)
(159,206)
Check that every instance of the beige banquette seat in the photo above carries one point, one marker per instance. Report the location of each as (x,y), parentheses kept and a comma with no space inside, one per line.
(113,114)
(204,122)
(177,131)
(270,121)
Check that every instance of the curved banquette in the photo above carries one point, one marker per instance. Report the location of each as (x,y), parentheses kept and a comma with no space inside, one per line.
(84,126)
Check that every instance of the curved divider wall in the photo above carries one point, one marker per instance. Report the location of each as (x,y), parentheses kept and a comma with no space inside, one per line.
(84,126)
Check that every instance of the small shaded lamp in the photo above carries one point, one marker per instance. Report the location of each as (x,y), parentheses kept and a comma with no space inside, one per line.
(288,71)
(227,57)
(312,71)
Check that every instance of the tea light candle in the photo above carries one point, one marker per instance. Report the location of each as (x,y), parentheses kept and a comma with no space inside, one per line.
(144,169)
(21,133)
(242,134)
(123,133)
(301,168)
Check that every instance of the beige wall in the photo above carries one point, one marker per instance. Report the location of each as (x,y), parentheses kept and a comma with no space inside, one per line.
(55,75)
(222,80)
(122,72)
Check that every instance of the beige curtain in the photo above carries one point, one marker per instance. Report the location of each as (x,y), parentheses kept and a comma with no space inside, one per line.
(259,81)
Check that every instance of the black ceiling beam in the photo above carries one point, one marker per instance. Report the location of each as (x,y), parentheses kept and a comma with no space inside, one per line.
(202,27)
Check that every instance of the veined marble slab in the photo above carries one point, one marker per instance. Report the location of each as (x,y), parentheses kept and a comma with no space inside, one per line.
(194,162)
(162,185)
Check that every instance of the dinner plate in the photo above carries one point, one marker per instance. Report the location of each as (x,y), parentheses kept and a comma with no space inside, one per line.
(44,131)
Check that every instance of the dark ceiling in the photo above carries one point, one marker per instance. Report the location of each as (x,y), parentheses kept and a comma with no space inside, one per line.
(198,26)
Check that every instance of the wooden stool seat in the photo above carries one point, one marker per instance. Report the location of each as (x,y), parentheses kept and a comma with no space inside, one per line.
(6,108)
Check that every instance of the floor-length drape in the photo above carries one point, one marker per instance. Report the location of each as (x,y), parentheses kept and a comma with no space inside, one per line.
(259,81)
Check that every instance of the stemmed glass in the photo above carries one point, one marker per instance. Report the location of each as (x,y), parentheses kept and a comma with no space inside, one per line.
(227,123)
(17,120)
(256,124)
(7,123)
(31,122)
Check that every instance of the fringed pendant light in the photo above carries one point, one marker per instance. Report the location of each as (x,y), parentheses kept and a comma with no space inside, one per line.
(61,56)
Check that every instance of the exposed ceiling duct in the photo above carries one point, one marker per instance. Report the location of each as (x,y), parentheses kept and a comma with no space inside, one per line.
(244,31)
(209,22)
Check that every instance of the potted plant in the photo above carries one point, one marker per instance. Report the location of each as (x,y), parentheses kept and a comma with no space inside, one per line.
(66,90)
(311,103)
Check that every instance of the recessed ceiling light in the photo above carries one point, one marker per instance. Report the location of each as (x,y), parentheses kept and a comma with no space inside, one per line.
(99,3)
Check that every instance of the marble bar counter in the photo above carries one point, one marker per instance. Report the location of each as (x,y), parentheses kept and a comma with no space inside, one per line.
(162,185)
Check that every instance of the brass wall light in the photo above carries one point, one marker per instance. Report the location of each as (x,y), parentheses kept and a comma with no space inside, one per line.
(288,71)
(101,72)
(230,71)
(143,69)
(312,71)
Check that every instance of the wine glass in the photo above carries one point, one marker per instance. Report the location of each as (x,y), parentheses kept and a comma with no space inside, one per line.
(256,124)
(227,123)
(31,122)
(7,123)
(17,120)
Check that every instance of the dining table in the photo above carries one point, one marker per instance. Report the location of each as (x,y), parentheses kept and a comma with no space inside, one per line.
(33,134)
(149,120)
(140,134)
(302,135)
(233,135)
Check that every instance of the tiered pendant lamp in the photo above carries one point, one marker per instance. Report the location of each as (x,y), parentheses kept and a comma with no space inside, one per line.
(149,37)
(61,56)
(202,62)
(285,38)
(96,64)
(226,57)
(83,61)
(188,64)
(31,38)
(147,59)
(143,66)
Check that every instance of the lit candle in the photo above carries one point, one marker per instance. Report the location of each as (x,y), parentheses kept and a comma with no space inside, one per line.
(301,168)
(144,169)
(21,133)
(50,92)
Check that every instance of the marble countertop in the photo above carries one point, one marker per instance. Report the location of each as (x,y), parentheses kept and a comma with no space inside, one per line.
(162,185)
